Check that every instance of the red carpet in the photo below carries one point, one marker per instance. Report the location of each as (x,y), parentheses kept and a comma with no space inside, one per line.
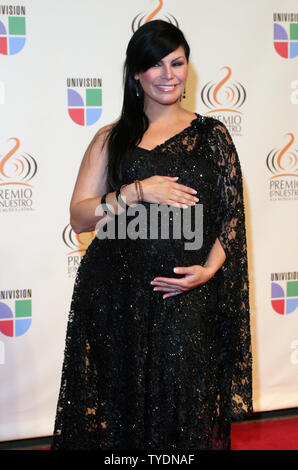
(267,434)
(271,434)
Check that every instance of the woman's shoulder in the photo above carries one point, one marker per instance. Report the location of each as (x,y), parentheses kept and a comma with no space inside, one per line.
(101,137)
(212,126)
(97,148)
(103,132)
(210,122)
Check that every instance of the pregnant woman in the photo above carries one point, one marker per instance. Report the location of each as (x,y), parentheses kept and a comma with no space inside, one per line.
(158,352)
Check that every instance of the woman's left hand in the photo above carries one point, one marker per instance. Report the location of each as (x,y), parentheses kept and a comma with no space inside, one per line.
(194,276)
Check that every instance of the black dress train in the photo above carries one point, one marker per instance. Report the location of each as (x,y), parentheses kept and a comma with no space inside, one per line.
(143,372)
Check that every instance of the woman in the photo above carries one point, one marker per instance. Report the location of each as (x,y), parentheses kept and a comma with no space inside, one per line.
(158,342)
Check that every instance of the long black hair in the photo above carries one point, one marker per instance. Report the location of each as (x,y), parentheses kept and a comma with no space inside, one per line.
(148,45)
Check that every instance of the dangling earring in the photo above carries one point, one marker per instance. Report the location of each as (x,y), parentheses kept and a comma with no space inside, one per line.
(184,94)
(137,88)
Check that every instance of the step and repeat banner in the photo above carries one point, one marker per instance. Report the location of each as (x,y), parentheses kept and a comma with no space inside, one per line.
(60,81)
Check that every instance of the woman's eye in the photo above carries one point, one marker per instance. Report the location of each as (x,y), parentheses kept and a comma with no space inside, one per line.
(177,64)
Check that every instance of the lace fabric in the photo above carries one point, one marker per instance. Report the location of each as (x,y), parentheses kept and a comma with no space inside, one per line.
(142,372)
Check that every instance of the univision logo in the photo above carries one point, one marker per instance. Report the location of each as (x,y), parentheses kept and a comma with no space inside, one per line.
(285,34)
(284,300)
(12,29)
(15,312)
(142,18)
(84,100)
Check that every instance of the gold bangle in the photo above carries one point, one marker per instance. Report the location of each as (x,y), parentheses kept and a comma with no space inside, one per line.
(137,190)
(141,191)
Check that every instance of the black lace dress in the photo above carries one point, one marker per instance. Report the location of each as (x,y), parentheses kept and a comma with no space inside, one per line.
(143,372)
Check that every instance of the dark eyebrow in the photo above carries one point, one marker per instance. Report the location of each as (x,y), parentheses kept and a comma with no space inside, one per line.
(176,58)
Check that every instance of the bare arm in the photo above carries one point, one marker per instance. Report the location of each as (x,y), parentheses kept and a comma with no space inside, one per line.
(91,185)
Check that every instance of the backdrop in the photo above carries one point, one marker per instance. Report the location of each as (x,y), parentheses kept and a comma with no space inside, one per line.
(60,81)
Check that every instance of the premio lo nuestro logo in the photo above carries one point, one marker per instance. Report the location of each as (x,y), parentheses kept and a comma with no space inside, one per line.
(17,169)
(12,29)
(282,163)
(156,13)
(78,244)
(224,98)
(15,311)
(285,34)
(284,293)
(84,100)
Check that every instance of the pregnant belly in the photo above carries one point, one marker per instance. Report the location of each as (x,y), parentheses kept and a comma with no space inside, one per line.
(153,243)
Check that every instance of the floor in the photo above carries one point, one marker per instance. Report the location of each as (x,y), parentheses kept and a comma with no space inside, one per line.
(265,431)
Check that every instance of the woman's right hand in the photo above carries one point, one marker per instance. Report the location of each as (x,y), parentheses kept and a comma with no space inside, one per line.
(165,190)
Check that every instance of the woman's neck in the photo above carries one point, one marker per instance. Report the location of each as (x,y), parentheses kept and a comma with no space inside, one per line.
(164,113)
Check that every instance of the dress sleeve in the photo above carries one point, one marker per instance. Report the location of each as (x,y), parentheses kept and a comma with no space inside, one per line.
(234,344)
(230,217)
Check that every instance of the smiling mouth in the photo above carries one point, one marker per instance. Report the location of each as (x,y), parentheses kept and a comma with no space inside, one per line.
(167,87)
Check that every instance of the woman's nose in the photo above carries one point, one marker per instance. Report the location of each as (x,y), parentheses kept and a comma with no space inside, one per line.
(167,72)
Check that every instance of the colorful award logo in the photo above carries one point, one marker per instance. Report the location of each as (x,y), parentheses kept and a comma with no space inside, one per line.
(224,99)
(284,298)
(283,166)
(156,13)
(78,244)
(84,100)
(16,312)
(17,169)
(12,29)
(285,34)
